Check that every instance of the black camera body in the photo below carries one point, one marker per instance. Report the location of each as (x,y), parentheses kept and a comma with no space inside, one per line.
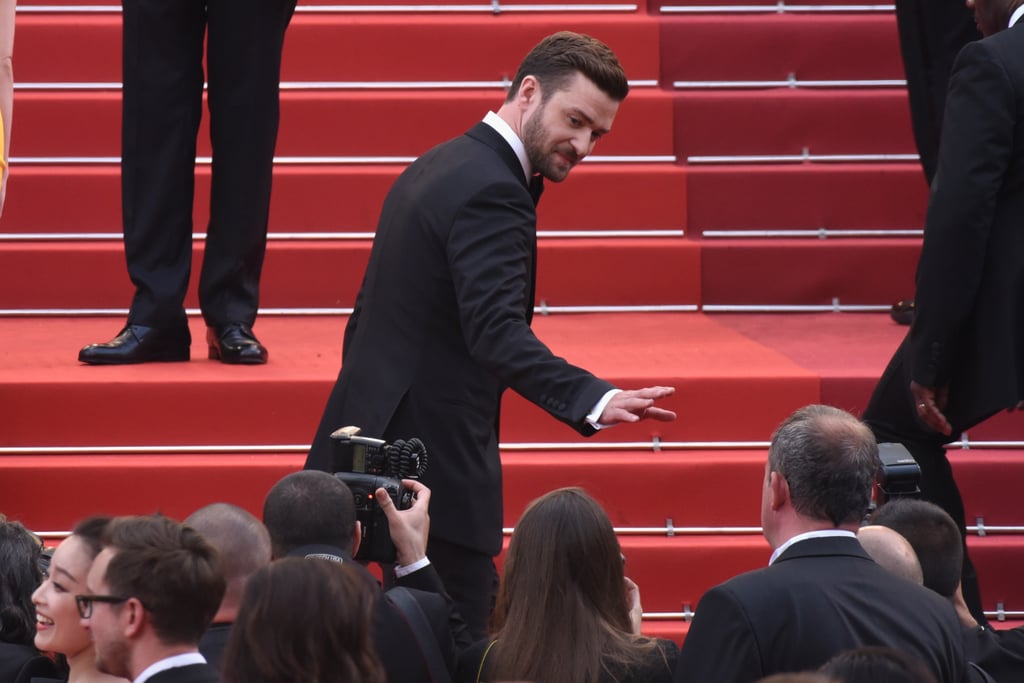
(899,475)
(365,465)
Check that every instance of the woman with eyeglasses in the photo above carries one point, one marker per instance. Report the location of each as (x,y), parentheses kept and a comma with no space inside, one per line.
(566,612)
(20,574)
(58,623)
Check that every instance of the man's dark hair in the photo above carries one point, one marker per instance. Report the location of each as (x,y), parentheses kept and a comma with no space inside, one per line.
(829,459)
(309,507)
(19,577)
(170,569)
(934,536)
(560,56)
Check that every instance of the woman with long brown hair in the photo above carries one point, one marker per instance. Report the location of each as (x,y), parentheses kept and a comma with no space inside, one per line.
(566,613)
(303,619)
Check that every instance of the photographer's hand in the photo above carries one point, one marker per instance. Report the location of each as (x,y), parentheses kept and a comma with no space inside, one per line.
(409,528)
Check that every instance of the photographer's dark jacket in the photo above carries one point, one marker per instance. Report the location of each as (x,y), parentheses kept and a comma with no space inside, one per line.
(441,328)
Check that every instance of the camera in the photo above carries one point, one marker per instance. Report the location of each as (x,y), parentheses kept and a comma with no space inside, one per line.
(365,465)
(899,475)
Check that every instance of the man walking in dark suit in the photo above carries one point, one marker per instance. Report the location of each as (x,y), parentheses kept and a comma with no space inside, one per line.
(963,359)
(153,590)
(441,326)
(162,105)
(821,593)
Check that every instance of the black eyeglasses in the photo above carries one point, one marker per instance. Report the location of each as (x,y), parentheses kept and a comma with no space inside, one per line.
(84,602)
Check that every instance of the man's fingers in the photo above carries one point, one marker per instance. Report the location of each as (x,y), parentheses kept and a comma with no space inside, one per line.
(659,414)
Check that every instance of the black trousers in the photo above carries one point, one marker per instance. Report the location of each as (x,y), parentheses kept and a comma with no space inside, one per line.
(471,580)
(931,34)
(892,416)
(161,110)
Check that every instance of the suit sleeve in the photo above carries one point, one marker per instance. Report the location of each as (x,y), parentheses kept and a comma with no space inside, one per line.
(977,141)
(721,644)
(428,580)
(490,253)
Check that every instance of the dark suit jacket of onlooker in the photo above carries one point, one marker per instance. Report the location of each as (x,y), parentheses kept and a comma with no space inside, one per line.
(393,636)
(213,644)
(20,663)
(193,673)
(820,597)
(999,652)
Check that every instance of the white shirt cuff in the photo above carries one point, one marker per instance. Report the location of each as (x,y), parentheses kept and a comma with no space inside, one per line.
(595,414)
(405,570)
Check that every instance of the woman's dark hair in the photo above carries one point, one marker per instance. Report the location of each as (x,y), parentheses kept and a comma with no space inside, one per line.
(872,664)
(20,575)
(90,530)
(561,613)
(303,619)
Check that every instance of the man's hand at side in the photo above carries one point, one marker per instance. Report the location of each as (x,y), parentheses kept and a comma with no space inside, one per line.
(409,528)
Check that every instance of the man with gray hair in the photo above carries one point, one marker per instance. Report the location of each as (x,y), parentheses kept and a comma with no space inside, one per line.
(244,547)
(821,593)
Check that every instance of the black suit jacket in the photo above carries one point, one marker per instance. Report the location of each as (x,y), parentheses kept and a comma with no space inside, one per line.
(969,327)
(194,673)
(999,652)
(441,328)
(819,598)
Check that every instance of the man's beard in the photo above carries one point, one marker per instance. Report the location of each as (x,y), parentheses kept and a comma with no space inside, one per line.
(114,659)
(535,141)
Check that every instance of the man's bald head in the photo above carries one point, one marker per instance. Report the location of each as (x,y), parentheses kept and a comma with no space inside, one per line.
(892,552)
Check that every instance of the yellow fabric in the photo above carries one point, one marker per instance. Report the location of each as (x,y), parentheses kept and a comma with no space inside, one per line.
(3,161)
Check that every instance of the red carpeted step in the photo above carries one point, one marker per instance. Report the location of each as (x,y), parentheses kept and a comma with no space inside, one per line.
(336,198)
(773,47)
(329,122)
(806,196)
(789,121)
(808,271)
(328,273)
(346,47)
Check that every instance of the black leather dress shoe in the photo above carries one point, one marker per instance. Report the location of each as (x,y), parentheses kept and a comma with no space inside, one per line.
(139,344)
(236,344)
(903,312)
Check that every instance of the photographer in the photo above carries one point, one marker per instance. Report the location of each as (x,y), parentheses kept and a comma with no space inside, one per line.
(313,514)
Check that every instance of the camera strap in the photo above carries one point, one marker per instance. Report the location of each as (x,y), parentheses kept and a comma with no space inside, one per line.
(426,641)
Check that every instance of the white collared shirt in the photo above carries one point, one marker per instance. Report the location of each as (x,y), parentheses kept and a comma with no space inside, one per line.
(823,533)
(1015,17)
(173,662)
(504,130)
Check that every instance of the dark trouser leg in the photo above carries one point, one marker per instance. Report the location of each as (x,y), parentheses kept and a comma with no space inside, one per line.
(244,60)
(471,580)
(162,105)
(892,417)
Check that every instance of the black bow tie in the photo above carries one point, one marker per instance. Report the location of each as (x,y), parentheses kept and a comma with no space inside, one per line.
(536,188)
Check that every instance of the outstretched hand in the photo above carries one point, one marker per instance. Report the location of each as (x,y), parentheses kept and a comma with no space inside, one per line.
(409,528)
(930,405)
(637,404)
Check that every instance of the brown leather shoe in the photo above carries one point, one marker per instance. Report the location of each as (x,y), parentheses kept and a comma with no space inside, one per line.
(235,344)
(139,344)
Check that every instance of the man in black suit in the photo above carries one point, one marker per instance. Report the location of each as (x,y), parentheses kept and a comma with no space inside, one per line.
(162,102)
(244,547)
(441,326)
(313,514)
(963,359)
(935,539)
(153,590)
(821,593)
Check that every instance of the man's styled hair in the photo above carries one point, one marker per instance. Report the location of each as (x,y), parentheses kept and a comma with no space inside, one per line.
(241,540)
(170,569)
(829,459)
(934,536)
(556,59)
(309,507)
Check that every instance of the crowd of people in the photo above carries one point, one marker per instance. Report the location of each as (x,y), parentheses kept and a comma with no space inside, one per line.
(224,596)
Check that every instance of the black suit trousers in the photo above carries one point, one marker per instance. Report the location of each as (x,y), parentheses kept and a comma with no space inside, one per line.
(161,110)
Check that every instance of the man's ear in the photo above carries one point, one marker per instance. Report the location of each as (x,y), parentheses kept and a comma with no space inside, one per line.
(133,617)
(357,537)
(778,489)
(529,92)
